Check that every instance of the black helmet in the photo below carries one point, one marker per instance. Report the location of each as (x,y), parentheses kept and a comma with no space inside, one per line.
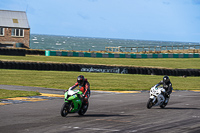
(166,79)
(80,79)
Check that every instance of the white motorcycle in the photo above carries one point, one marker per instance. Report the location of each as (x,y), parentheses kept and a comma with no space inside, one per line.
(157,97)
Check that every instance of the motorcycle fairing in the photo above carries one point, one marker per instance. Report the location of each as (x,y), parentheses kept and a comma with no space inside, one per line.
(76,101)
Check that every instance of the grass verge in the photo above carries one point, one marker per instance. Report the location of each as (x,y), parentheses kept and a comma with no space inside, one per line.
(98,81)
(16,93)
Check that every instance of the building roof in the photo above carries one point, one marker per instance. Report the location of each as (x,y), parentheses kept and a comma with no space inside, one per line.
(16,19)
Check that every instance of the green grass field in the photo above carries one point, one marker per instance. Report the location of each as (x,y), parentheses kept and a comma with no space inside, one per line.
(16,93)
(98,81)
(181,63)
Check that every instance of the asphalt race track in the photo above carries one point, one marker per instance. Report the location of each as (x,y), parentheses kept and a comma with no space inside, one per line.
(108,112)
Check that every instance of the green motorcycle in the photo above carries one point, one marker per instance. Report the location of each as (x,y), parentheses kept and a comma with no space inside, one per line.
(73,103)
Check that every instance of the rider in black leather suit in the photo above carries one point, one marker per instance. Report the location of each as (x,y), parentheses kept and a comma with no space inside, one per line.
(167,85)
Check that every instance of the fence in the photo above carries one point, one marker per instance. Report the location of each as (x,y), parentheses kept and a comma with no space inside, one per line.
(154,48)
(121,55)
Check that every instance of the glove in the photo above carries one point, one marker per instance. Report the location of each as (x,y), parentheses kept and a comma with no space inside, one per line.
(167,95)
(65,91)
(83,96)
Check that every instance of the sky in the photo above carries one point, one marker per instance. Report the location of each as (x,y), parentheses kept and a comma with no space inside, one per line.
(161,20)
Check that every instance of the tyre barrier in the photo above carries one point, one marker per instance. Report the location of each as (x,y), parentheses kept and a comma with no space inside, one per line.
(10,51)
(97,68)
(35,52)
(20,52)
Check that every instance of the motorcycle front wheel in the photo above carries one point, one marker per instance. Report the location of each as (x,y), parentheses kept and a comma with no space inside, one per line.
(149,103)
(64,109)
(83,109)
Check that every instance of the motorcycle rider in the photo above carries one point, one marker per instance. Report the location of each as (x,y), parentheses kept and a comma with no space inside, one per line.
(167,85)
(84,87)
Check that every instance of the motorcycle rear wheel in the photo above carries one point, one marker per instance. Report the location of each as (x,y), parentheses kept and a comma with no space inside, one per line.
(83,109)
(164,104)
(64,109)
(149,103)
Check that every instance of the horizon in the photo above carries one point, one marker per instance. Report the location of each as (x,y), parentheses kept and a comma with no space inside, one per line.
(110,38)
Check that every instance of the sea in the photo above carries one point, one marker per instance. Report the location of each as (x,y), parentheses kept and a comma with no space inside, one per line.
(56,42)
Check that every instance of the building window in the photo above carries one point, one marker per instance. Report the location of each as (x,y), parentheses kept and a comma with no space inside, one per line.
(17,32)
(15,20)
(1,31)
